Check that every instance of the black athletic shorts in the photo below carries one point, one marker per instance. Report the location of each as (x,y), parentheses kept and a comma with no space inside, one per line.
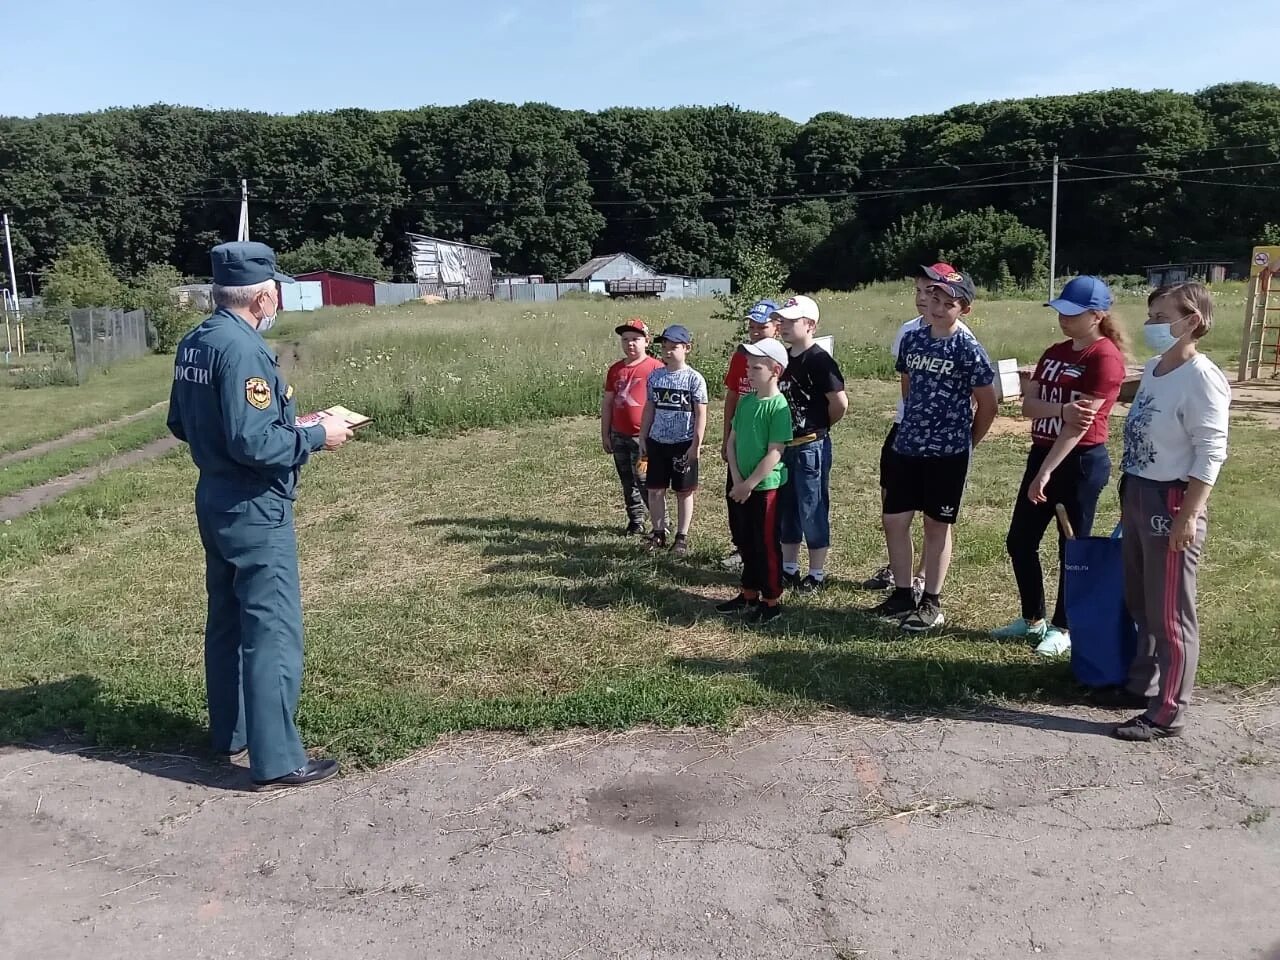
(669,468)
(885,450)
(933,486)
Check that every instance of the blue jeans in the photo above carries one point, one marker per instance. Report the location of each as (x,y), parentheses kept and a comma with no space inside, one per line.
(805,499)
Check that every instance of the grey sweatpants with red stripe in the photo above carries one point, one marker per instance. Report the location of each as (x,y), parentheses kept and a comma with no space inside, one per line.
(1160,592)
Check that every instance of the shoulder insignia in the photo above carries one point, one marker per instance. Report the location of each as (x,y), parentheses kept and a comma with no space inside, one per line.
(257,392)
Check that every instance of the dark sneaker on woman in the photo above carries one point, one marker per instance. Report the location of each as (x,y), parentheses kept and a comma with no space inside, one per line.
(1142,730)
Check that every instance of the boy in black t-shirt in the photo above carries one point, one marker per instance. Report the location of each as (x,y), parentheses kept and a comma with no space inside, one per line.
(814,388)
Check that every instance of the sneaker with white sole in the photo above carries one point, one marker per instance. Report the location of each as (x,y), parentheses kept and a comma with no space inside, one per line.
(732,562)
(1055,643)
(927,616)
(1021,629)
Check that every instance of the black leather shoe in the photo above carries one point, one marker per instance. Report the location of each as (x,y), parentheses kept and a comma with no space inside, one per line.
(316,771)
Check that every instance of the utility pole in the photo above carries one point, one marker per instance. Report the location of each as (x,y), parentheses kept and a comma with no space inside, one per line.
(13,290)
(1053,230)
(243,233)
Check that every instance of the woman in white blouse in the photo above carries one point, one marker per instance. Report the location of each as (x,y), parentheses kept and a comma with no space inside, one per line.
(1175,442)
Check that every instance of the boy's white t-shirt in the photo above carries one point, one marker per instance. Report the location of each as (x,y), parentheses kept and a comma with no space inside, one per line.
(906,328)
(1177,426)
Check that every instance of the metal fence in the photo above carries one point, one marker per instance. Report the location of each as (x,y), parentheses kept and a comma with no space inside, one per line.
(534,292)
(394,294)
(102,336)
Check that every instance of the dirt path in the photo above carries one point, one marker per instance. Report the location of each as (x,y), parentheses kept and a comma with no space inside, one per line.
(24,501)
(1010,834)
(75,436)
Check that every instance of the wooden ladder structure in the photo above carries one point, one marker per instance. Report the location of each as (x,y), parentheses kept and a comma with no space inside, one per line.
(1260,342)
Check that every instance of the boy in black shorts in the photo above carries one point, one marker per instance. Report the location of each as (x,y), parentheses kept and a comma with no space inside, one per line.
(945,372)
(671,431)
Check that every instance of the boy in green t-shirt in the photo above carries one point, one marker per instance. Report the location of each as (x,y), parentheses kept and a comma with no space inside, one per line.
(761,428)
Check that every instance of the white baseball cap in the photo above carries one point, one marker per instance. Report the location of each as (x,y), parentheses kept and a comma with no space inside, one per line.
(799,308)
(769,347)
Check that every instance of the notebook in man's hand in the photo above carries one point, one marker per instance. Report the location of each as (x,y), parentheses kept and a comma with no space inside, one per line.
(352,419)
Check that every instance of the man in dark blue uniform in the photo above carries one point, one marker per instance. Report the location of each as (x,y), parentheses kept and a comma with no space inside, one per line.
(232,407)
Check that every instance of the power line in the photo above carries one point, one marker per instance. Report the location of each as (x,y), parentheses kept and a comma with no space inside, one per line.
(861,171)
(983,183)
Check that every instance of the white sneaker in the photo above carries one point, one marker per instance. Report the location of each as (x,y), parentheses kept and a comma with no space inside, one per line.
(1055,643)
(732,562)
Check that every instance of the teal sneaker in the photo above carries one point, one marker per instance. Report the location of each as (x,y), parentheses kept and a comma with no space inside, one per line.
(1055,643)
(1021,629)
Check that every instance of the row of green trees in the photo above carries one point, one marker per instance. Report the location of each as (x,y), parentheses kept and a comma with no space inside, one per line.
(838,199)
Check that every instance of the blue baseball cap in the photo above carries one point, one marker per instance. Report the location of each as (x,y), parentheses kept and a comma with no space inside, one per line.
(676,334)
(244,263)
(762,312)
(1081,294)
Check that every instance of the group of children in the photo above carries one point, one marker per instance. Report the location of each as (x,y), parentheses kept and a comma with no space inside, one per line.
(784,393)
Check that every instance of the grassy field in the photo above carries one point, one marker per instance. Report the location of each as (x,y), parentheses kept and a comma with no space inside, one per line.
(45,413)
(478,581)
(432,370)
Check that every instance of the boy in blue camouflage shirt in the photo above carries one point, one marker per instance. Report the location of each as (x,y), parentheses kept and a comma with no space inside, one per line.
(950,403)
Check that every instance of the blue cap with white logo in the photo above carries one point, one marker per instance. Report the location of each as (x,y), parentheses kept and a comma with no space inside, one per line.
(676,334)
(762,311)
(1082,294)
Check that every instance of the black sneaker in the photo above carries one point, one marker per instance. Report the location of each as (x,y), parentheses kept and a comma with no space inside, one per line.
(736,605)
(811,584)
(634,529)
(882,579)
(927,616)
(791,580)
(1142,730)
(895,607)
(764,613)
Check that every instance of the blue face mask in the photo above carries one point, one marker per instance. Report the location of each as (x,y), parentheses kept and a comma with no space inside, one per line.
(1159,336)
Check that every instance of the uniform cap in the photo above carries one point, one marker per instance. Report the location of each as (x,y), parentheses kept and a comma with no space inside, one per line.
(243,263)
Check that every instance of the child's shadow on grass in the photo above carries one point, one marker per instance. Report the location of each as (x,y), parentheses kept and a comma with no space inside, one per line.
(55,716)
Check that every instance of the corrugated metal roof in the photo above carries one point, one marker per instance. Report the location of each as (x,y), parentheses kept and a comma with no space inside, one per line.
(593,265)
(456,243)
(312,274)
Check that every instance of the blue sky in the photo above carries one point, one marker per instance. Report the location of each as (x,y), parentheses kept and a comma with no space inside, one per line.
(796,57)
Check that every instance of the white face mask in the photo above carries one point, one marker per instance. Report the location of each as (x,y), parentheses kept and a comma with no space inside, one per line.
(267,322)
(1160,336)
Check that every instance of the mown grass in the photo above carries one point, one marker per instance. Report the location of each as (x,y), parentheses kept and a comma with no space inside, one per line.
(87,453)
(45,413)
(478,582)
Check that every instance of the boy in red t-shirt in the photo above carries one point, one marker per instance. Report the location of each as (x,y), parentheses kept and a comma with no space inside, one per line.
(625,391)
(760,326)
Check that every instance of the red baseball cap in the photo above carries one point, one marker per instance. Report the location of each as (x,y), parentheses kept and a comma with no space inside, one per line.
(634,325)
(941,272)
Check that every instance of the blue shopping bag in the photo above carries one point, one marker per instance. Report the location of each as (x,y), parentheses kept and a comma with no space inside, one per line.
(1103,635)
